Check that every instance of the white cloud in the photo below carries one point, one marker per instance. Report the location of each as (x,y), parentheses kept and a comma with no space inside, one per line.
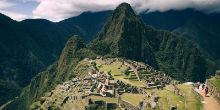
(60,9)
(15,16)
(5,4)
(164,5)
(30,1)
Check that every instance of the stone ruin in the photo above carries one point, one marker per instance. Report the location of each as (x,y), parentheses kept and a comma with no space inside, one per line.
(106,105)
(106,86)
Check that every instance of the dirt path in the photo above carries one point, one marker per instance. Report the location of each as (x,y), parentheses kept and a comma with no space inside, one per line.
(209,102)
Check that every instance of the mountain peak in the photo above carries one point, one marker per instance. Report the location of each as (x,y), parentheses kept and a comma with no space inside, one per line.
(72,46)
(124,6)
(122,36)
(120,20)
(123,10)
(74,42)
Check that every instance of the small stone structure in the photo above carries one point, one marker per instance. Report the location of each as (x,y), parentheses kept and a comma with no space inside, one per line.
(108,106)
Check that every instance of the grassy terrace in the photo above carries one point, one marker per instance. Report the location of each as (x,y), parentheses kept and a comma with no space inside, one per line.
(107,99)
(80,104)
(118,74)
(133,98)
(215,82)
(192,102)
(174,99)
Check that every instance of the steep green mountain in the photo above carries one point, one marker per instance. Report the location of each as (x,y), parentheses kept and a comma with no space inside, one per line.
(201,28)
(125,35)
(88,24)
(29,46)
(74,51)
(40,42)
(18,64)
(204,32)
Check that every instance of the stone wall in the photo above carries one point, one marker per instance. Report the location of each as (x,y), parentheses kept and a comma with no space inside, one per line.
(213,91)
(197,95)
(178,92)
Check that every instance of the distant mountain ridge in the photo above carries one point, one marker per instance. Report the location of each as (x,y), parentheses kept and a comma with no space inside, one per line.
(29,46)
(201,28)
(44,32)
(125,35)
(176,55)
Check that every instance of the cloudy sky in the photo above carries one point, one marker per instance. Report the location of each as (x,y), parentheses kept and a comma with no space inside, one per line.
(56,10)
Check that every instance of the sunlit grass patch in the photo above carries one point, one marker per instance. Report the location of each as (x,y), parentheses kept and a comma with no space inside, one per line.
(215,82)
(133,98)
(118,74)
(192,102)
(174,99)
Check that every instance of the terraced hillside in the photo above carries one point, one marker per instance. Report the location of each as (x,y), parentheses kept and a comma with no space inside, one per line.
(121,60)
(112,84)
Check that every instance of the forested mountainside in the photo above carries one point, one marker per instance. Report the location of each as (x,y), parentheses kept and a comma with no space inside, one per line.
(201,28)
(174,54)
(177,56)
(29,46)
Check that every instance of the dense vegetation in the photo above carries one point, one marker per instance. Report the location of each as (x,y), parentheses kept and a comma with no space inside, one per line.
(58,72)
(123,35)
(201,28)
(8,88)
(29,46)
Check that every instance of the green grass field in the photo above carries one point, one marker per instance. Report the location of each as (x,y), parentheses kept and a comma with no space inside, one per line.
(80,104)
(215,82)
(133,98)
(118,74)
(174,99)
(192,102)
